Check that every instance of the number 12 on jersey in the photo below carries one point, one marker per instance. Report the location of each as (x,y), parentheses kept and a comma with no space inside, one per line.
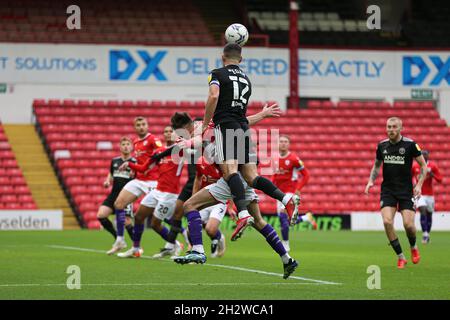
(239,99)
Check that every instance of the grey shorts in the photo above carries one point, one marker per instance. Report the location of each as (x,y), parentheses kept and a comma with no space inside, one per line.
(222,193)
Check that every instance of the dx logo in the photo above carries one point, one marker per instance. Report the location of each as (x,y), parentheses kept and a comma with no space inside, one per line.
(416,69)
(122,65)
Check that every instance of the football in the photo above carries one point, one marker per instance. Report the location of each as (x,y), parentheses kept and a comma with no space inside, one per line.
(236,33)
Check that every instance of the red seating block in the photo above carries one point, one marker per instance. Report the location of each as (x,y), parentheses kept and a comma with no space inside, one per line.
(336,144)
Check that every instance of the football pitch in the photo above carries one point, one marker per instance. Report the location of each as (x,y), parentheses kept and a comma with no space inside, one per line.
(333,265)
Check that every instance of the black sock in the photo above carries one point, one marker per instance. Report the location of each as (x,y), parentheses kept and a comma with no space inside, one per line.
(396,246)
(412,241)
(130,231)
(175,229)
(238,191)
(108,226)
(267,186)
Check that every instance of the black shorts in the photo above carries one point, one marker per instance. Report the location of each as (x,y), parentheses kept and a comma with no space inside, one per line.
(234,142)
(109,202)
(399,200)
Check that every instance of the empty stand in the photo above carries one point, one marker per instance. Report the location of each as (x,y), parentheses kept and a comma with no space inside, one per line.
(342,23)
(133,22)
(14,192)
(336,142)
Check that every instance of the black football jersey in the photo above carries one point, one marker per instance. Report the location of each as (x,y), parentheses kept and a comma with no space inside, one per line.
(235,92)
(120,178)
(397,162)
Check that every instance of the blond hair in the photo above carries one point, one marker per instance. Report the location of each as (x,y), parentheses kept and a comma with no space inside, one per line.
(396,119)
(125,138)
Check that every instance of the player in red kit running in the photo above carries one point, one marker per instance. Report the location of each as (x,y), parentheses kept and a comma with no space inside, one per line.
(425,204)
(286,178)
(160,202)
(144,147)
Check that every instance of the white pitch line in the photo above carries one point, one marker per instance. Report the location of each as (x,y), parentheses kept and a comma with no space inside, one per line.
(209,264)
(182,284)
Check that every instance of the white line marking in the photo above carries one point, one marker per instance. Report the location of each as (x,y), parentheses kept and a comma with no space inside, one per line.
(272,274)
(12,285)
(208,264)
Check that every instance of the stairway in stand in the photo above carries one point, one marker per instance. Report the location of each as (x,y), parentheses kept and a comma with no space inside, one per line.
(38,172)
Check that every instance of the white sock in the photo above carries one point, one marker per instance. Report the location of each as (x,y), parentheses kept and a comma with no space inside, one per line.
(169,245)
(286,245)
(303,218)
(285,258)
(119,239)
(199,248)
(426,234)
(243,214)
(401,256)
(286,199)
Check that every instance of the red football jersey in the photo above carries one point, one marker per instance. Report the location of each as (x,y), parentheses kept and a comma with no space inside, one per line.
(286,173)
(207,173)
(143,149)
(169,174)
(427,187)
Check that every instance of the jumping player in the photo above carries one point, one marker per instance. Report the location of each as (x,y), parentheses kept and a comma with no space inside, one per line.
(182,121)
(425,204)
(286,175)
(219,192)
(118,179)
(229,93)
(397,192)
(144,147)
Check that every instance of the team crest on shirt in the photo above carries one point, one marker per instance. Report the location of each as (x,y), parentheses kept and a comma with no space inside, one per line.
(158,143)
(287,162)
(402,150)
(145,142)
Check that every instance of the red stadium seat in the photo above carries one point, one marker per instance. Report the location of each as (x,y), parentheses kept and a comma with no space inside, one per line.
(337,144)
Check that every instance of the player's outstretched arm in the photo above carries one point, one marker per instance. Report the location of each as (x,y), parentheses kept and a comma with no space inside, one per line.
(158,156)
(373,175)
(421,177)
(211,104)
(146,165)
(303,181)
(272,111)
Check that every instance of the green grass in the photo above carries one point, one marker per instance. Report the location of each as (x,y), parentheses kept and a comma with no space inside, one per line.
(340,257)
